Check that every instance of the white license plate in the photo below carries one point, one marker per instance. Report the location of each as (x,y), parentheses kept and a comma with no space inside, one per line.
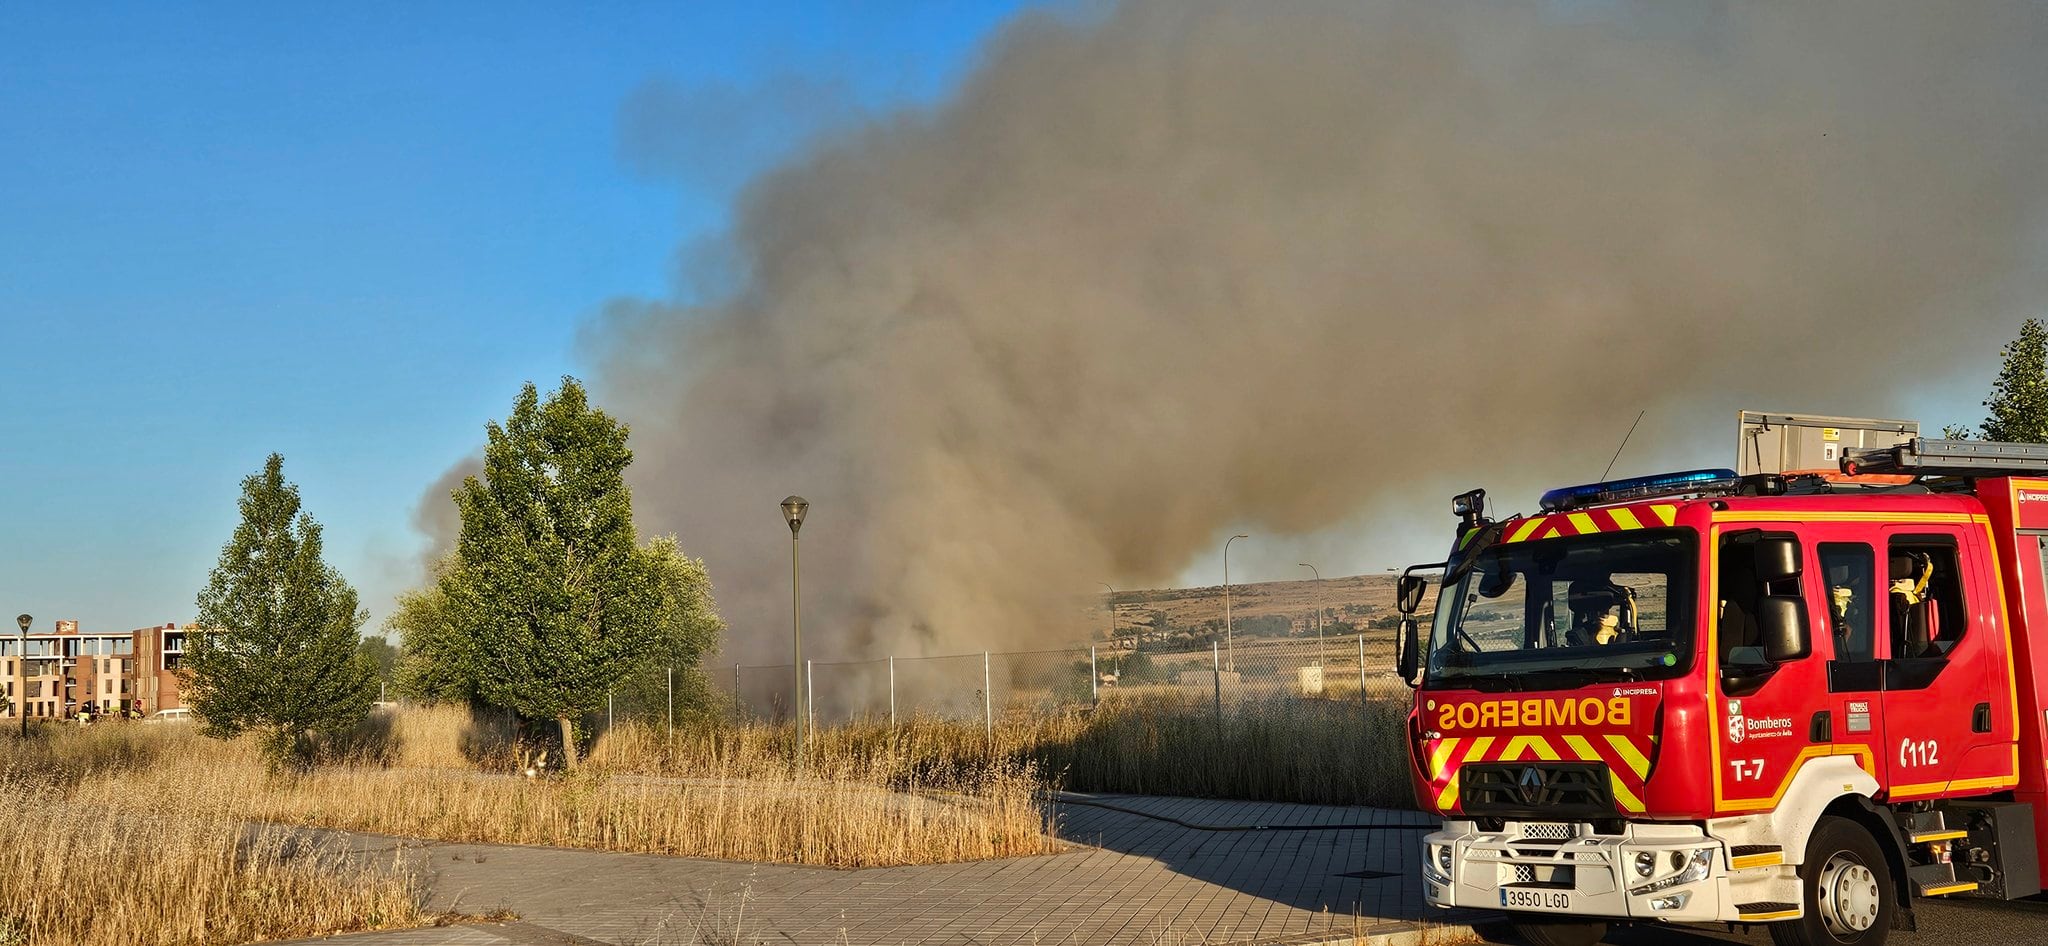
(1511,899)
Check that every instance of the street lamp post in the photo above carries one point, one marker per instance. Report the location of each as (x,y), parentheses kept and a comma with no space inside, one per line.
(793,510)
(21,667)
(1116,645)
(1229,647)
(1317,597)
(1112,612)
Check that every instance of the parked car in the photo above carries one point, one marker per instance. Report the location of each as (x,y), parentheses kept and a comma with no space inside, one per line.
(176,715)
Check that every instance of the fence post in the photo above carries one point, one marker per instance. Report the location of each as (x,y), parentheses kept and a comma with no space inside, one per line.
(1094,677)
(810,696)
(608,711)
(988,703)
(671,688)
(738,703)
(1216,676)
(1361,668)
(892,692)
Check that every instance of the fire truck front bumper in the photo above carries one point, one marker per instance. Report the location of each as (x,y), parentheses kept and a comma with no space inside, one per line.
(1661,872)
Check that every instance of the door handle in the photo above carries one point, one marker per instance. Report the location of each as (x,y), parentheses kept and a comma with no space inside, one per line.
(1821,728)
(1980,718)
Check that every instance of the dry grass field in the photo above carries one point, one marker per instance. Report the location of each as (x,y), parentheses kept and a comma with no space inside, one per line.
(77,870)
(1149,740)
(151,833)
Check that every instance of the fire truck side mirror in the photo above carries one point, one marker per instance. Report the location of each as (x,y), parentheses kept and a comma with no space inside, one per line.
(1410,659)
(1409,597)
(1782,621)
(1777,559)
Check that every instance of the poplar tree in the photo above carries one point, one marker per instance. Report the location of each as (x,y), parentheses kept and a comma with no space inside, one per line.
(276,650)
(550,591)
(437,660)
(2019,398)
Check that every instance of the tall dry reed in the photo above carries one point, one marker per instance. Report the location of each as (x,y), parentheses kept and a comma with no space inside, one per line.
(1313,751)
(79,871)
(429,773)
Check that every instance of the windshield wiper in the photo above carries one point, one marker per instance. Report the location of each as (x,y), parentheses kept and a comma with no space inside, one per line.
(1485,682)
(1549,678)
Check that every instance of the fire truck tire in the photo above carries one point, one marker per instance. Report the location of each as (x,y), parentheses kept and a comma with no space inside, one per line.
(1847,888)
(1561,932)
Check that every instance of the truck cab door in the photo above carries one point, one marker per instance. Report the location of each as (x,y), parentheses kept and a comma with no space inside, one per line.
(1946,707)
(1849,589)
(1765,711)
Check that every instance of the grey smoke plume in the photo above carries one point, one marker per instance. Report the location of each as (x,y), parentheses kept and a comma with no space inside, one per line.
(1192,266)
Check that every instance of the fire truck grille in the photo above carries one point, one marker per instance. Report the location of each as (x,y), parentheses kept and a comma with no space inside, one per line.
(1547,790)
(1549,831)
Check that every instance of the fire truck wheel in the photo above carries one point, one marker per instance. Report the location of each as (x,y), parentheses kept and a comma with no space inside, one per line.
(1847,887)
(1561,932)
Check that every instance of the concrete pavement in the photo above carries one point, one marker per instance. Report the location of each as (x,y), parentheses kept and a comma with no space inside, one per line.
(1142,871)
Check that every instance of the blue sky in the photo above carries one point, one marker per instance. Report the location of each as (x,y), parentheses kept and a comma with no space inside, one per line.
(347,234)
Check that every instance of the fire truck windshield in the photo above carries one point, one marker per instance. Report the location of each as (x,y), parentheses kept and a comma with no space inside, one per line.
(1547,613)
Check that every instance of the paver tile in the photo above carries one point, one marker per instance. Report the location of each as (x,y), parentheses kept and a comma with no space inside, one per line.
(1138,880)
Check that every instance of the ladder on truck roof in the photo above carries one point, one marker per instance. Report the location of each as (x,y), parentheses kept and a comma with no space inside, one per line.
(1922,456)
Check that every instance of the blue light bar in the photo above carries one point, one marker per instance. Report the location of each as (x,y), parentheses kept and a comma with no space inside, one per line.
(1641,487)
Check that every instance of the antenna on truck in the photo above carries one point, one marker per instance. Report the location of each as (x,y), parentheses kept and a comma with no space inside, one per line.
(1624,445)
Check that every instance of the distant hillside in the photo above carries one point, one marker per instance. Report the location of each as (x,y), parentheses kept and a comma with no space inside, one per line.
(1188,617)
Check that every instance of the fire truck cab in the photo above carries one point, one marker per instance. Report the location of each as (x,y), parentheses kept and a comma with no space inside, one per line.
(1705,697)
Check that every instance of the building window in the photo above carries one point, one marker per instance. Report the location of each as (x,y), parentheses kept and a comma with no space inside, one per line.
(128,666)
(125,645)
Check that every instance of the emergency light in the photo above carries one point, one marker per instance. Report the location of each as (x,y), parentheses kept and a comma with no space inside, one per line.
(1641,487)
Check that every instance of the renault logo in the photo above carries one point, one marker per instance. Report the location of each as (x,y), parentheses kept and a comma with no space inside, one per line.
(1531,784)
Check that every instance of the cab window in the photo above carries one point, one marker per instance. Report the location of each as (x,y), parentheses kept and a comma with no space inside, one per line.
(1850,571)
(1924,596)
(1742,591)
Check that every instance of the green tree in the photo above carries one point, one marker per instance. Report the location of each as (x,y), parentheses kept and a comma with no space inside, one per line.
(437,660)
(549,583)
(276,651)
(689,633)
(382,657)
(2019,398)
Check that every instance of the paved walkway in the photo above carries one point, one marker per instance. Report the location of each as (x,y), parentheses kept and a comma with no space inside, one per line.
(1144,871)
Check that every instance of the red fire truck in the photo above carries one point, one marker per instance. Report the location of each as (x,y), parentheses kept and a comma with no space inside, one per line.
(1703,697)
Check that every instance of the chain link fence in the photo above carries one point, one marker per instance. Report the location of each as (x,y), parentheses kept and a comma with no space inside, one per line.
(1238,674)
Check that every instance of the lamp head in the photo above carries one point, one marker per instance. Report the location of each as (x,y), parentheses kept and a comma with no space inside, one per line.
(793,510)
(24,620)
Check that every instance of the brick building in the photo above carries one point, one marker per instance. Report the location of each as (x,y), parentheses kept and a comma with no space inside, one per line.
(66,670)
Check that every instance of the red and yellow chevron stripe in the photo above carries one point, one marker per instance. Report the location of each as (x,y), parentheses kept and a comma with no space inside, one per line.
(1591,521)
(1627,757)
